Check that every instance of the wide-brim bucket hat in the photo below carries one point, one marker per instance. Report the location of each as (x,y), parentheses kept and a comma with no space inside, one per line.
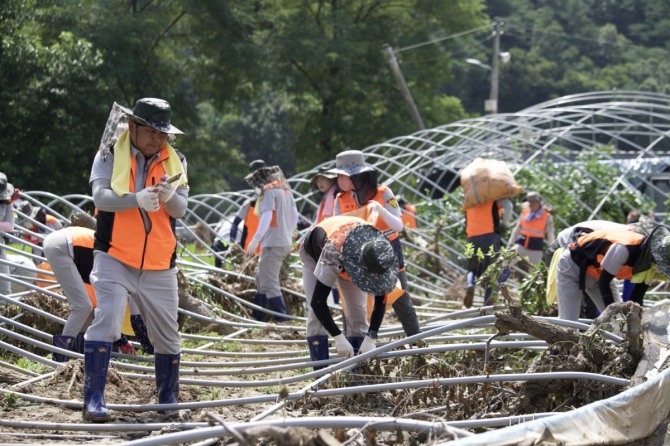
(369,260)
(154,113)
(322,172)
(660,249)
(533,197)
(6,188)
(350,162)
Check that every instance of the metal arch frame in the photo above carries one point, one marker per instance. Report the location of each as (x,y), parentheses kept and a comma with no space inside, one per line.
(556,130)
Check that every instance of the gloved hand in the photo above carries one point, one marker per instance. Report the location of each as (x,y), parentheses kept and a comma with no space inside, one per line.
(343,347)
(367,345)
(253,246)
(148,199)
(375,206)
(127,348)
(166,190)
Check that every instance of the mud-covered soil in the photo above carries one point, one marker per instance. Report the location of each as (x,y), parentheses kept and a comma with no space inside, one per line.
(435,402)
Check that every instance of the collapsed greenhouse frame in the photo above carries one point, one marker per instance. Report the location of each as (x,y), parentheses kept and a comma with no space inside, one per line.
(423,168)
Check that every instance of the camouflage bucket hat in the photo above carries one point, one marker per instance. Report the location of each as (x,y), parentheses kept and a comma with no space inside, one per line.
(323,172)
(369,260)
(660,249)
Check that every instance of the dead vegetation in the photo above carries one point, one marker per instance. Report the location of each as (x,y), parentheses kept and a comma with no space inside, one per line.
(569,350)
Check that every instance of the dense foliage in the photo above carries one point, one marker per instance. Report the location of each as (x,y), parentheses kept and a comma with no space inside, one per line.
(293,82)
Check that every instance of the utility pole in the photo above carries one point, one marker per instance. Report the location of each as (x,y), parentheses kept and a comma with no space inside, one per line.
(395,69)
(491,105)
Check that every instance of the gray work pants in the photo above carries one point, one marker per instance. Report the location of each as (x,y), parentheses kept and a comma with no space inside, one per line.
(59,254)
(569,295)
(154,292)
(355,302)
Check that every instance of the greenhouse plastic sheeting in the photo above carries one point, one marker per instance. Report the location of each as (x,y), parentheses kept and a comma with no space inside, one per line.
(631,415)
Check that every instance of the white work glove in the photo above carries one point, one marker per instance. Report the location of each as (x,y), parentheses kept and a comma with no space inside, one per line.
(253,246)
(343,347)
(166,191)
(367,345)
(376,207)
(148,199)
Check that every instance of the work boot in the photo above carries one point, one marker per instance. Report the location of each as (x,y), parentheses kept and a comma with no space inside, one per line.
(278,305)
(96,365)
(261,300)
(64,342)
(404,310)
(141,334)
(318,349)
(167,379)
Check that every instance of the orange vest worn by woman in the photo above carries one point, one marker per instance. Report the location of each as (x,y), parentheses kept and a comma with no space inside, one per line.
(348,203)
(408,216)
(590,249)
(533,231)
(125,236)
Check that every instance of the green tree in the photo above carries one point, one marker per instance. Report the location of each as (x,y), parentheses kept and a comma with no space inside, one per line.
(328,56)
(48,88)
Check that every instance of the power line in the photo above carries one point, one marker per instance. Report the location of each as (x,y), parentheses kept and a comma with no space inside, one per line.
(572,37)
(451,55)
(441,39)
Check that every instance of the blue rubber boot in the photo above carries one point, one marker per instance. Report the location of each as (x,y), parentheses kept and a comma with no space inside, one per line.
(167,379)
(141,334)
(261,300)
(318,349)
(278,305)
(96,364)
(78,344)
(64,342)
(355,342)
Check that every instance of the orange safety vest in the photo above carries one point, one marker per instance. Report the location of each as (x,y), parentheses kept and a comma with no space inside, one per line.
(82,247)
(324,213)
(482,219)
(250,227)
(590,249)
(348,203)
(533,231)
(337,228)
(408,216)
(123,235)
